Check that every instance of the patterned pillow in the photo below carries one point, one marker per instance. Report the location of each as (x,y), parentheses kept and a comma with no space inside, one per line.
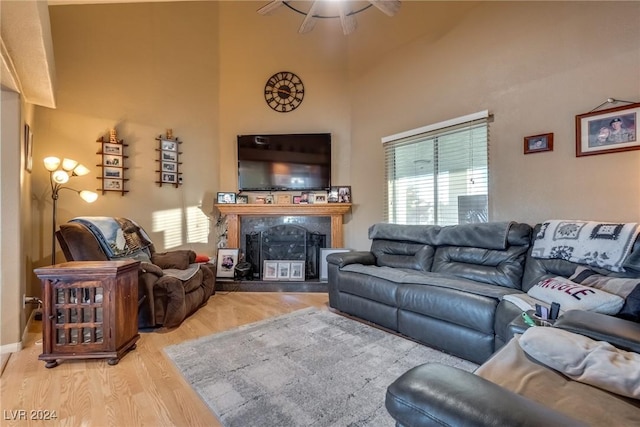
(573,296)
(627,288)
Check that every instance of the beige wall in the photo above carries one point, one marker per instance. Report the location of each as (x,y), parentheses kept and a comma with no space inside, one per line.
(200,69)
(141,69)
(534,66)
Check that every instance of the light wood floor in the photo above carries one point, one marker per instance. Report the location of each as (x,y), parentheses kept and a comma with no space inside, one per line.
(144,389)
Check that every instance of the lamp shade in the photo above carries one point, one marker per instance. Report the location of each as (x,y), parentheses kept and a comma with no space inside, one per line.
(88,196)
(51,163)
(60,177)
(80,170)
(69,164)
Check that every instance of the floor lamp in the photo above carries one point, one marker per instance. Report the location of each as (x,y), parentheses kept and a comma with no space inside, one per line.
(60,172)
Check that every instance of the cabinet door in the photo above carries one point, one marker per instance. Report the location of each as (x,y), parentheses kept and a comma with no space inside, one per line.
(77,317)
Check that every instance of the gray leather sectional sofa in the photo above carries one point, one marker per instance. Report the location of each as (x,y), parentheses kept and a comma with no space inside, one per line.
(443,286)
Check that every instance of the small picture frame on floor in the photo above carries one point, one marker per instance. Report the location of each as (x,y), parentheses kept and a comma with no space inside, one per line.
(297,271)
(270,270)
(284,270)
(227,261)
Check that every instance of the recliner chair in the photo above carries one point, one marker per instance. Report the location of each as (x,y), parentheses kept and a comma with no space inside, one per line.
(171,285)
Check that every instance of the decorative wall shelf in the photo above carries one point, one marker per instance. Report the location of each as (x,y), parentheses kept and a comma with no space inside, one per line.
(112,157)
(169,160)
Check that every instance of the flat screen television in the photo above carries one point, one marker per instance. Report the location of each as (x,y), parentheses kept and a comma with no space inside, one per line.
(284,162)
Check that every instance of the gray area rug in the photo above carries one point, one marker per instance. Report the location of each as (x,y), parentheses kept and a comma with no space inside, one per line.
(307,368)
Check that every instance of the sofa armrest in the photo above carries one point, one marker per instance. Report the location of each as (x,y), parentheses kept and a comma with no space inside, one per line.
(356,257)
(439,395)
(621,333)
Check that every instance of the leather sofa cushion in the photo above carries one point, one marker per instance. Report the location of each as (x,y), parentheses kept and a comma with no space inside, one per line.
(502,268)
(511,368)
(391,253)
(491,235)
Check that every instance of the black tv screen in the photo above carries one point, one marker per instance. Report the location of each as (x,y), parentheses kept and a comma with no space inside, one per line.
(284,162)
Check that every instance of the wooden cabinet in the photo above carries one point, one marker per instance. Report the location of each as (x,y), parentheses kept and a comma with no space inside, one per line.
(90,310)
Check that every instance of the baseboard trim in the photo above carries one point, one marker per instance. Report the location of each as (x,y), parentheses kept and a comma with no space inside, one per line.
(11,347)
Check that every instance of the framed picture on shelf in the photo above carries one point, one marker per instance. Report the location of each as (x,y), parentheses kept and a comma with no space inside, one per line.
(169,156)
(268,199)
(305,197)
(260,200)
(169,167)
(320,198)
(171,178)
(344,194)
(227,261)
(169,145)
(111,160)
(112,184)
(296,200)
(608,131)
(270,270)
(242,199)
(284,269)
(115,173)
(226,197)
(109,148)
(284,199)
(538,143)
(297,271)
(333,195)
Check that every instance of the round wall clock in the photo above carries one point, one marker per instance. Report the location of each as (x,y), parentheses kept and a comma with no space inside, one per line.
(284,92)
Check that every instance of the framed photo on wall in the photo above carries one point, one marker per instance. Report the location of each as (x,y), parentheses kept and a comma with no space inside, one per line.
(227,261)
(538,143)
(608,131)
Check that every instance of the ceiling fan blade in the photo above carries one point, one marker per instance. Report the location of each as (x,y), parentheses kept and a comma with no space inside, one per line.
(269,7)
(309,20)
(348,22)
(388,7)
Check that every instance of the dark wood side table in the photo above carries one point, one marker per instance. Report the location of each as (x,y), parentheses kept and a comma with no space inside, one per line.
(90,310)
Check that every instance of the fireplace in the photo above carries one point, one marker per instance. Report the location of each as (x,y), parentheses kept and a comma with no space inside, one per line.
(285,241)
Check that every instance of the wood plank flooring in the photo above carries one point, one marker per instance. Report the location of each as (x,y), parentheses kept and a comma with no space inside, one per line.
(144,389)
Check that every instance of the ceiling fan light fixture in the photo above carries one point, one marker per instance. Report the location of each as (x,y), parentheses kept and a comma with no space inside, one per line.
(346,16)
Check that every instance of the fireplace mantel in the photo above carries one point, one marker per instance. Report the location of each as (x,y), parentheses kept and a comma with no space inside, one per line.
(333,210)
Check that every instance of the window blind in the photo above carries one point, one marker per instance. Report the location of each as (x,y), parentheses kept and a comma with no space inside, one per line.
(438,175)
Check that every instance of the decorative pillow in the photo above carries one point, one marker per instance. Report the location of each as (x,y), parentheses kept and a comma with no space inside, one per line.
(582,359)
(625,287)
(202,258)
(572,296)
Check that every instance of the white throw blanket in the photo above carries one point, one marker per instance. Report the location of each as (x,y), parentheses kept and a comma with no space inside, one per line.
(604,245)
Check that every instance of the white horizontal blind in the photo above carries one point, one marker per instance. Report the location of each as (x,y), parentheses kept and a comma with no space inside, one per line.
(439,176)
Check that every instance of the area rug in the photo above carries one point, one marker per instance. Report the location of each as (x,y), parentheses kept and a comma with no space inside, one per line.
(311,367)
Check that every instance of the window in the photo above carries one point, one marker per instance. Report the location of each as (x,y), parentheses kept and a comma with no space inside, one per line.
(438,174)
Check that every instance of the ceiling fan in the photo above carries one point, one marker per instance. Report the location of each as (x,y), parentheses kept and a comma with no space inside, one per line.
(345,13)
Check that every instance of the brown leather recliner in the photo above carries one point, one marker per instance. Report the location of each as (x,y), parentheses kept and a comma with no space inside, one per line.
(163,300)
